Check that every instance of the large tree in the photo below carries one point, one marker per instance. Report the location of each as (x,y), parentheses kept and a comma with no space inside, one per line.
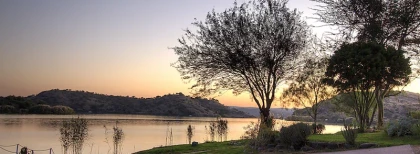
(356,69)
(385,22)
(250,47)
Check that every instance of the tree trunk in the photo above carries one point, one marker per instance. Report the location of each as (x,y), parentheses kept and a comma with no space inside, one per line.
(380,115)
(315,123)
(380,103)
(265,117)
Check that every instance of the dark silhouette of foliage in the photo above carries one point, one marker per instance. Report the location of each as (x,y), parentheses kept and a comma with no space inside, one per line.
(385,22)
(190,133)
(117,137)
(25,105)
(349,134)
(88,102)
(250,47)
(359,67)
(295,135)
(73,134)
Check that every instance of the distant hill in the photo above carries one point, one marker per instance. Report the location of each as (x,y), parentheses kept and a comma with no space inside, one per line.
(168,105)
(394,107)
(277,112)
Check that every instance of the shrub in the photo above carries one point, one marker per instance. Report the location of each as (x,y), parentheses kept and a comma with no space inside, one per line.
(190,133)
(222,129)
(415,114)
(219,127)
(118,136)
(7,109)
(40,109)
(349,134)
(295,135)
(401,127)
(260,135)
(59,109)
(73,134)
(416,129)
(251,131)
(319,128)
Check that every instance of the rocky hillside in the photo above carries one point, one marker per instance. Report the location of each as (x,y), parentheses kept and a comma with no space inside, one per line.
(168,105)
(394,107)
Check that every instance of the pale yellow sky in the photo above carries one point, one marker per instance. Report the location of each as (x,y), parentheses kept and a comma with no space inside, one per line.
(103,46)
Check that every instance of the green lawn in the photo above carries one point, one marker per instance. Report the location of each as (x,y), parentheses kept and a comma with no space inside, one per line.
(379,138)
(209,148)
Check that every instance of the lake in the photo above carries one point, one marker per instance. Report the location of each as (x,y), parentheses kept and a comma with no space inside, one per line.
(140,132)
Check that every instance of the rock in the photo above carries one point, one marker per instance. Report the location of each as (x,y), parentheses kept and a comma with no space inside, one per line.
(194,144)
(333,146)
(271,145)
(307,148)
(318,145)
(348,146)
(367,145)
(280,146)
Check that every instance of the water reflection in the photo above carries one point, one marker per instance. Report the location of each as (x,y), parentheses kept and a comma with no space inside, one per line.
(15,122)
(141,132)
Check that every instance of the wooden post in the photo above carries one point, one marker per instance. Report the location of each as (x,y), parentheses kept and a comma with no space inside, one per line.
(50,150)
(17,148)
(32,151)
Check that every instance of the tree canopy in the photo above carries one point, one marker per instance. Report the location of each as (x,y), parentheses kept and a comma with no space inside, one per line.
(250,47)
(359,68)
(389,22)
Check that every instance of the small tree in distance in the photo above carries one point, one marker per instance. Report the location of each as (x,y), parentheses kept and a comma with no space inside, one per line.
(250,47)
(309,89)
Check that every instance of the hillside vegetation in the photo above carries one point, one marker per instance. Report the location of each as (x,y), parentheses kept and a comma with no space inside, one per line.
(25,105)
(168,105)
(394,107)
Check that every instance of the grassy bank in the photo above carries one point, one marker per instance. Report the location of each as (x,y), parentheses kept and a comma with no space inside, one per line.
(209,148)
(379,138)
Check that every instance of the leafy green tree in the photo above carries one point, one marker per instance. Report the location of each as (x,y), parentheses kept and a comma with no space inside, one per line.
(358,68)
(385,22)
(250,47)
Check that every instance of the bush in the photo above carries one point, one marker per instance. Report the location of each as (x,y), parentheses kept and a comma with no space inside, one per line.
(295,135)
(349,134)
(7,109)
(416,129)
(73,134)
(260,135)
(415,114)
(319,128)
(401,127)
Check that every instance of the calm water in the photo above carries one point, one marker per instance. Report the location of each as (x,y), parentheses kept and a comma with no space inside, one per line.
(141,132)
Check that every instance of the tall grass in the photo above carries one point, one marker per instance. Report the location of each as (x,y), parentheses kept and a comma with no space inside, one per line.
(219,128)
(190,133)
(349,134)
(73,134)
(118,136)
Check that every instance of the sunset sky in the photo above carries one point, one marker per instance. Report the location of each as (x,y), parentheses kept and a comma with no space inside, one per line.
(104,46)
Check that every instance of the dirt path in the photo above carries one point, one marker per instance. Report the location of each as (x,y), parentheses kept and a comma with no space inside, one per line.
(402,149)
(416,149)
